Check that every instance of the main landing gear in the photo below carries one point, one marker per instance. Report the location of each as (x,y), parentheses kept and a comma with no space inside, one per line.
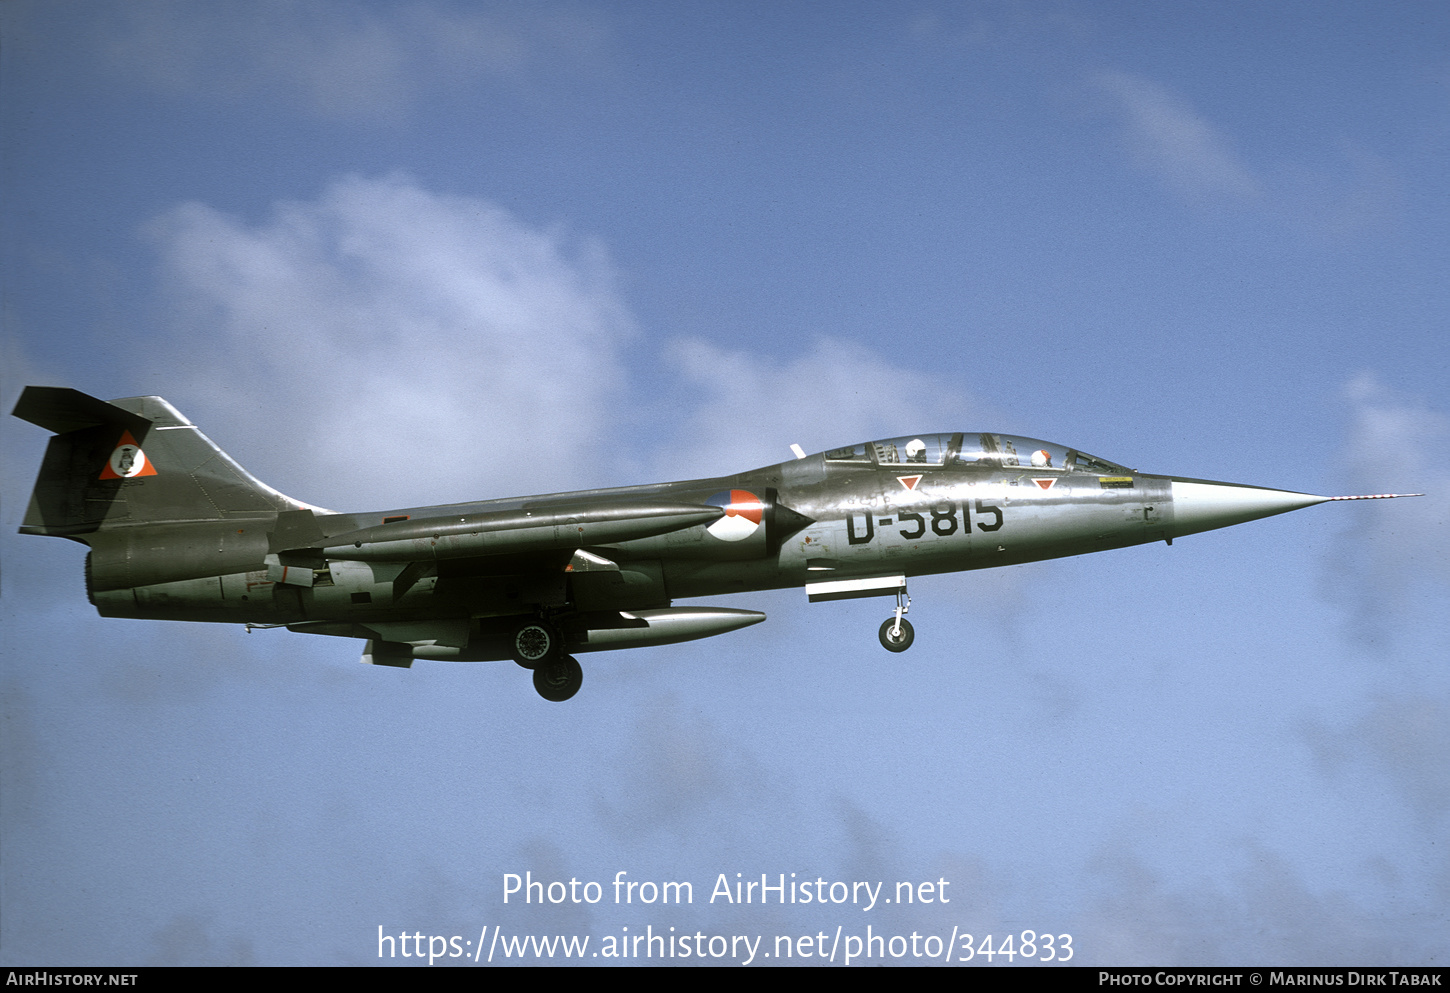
(896,633)
(537,645)
(560,679)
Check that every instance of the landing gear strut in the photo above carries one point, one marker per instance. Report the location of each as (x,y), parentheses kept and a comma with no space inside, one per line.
(896,632)
(558,680)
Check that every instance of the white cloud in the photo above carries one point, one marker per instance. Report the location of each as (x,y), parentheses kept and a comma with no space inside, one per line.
(405,347)
(1398,445)
(1331,191)
(1393,440)
(746,409)
(1391,549)
(1170,138)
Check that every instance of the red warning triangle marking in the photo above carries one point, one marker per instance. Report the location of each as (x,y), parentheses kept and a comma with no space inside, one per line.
(1046,484)
(127,461)
(909,481)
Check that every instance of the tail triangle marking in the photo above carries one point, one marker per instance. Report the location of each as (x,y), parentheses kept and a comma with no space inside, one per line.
(127,461)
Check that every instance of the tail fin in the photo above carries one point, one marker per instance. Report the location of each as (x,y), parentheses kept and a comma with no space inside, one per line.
(131,461)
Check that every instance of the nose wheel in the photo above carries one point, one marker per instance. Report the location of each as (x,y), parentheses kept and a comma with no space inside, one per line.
(896,638)
(896,633)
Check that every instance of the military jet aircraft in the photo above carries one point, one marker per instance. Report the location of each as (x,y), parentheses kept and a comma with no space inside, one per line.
(179,531)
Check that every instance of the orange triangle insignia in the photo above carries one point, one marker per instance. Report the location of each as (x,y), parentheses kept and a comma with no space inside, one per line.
(127,461)
(1046,484)
(908,481)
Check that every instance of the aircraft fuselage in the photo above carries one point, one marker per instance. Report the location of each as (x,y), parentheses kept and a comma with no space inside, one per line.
(863,521)
(179,531)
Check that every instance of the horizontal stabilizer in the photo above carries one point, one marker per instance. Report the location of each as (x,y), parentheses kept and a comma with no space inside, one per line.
(63,410)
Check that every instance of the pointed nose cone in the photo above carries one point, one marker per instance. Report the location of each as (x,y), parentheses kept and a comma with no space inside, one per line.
(1200,505)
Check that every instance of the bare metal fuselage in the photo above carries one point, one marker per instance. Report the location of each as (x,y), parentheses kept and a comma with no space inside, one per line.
(862,522)
(179,531)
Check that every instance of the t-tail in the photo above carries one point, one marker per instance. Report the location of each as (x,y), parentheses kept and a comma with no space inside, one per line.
(135,461)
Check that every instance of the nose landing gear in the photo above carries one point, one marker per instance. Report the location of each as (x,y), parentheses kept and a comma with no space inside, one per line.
(894,638)
(896,633)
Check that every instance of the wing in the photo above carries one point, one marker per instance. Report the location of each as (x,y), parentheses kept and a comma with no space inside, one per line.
(299,544)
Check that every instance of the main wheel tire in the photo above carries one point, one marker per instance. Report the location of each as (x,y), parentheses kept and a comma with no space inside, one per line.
(894,642)
(535,644)
(559,680)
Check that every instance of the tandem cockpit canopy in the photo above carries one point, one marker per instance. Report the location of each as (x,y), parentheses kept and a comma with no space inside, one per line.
(964,450)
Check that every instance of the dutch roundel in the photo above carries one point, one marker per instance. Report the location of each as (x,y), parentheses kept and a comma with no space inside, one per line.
(743,514)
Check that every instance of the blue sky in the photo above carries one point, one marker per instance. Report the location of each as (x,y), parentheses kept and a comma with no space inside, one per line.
(391,254)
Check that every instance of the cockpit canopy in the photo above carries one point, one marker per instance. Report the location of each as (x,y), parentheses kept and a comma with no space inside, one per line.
(963,450)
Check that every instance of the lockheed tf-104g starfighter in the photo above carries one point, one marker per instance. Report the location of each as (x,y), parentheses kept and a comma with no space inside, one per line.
(179,531)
